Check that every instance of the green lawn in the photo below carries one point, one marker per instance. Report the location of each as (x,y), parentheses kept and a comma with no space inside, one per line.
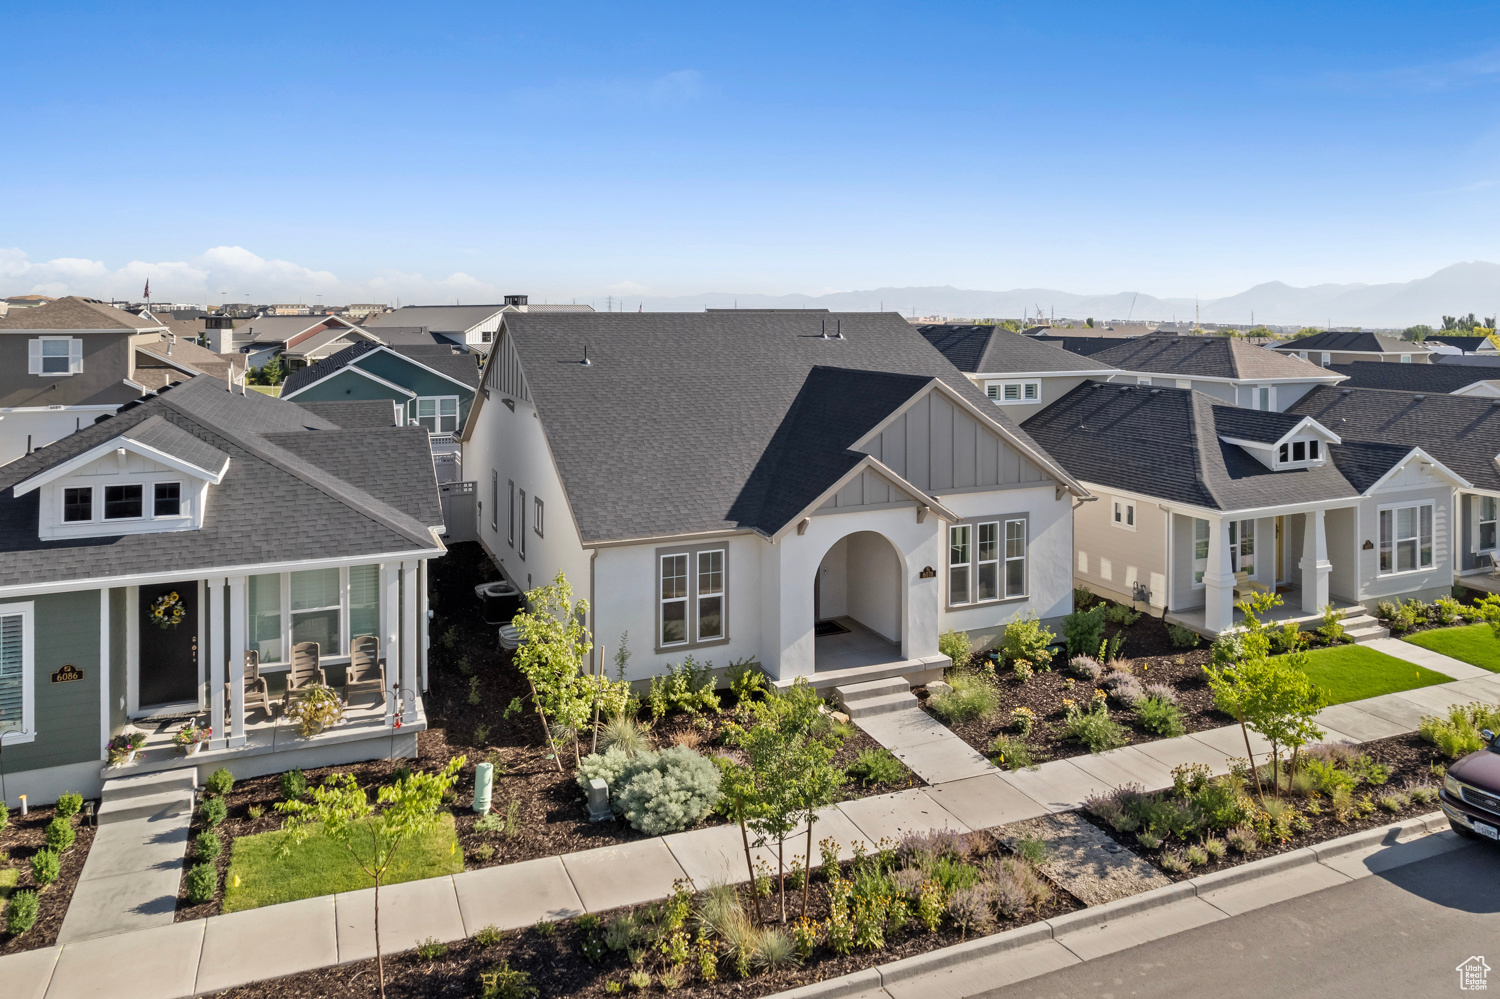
(320,866)
(1354,672)
(1472,643)
(8,878)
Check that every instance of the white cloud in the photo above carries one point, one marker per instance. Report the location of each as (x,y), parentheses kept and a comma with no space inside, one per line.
(228,273)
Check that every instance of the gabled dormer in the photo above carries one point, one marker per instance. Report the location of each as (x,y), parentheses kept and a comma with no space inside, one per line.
(1281,443)
(151,478)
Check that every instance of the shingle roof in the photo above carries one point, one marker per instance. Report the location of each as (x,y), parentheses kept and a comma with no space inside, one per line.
(1263,426)
(1204,356)
(1411,377)
(275,329)
(155,432)
(351,414)
(1461,431)
(1360,340)
(667,430)
(1469,343)
(983,349)
(1166,442)
(73,313)
(193,357)
(438,318)
(438,357)
(268,484)
(1084,346)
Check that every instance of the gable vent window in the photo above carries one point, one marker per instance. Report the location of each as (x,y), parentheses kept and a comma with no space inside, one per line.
(78,505)
(123,502)
(55,355)
(1002,392)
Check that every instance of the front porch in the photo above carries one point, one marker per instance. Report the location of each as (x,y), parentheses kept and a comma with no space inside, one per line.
(1193,618)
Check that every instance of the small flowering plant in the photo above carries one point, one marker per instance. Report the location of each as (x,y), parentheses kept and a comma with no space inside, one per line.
(123,745)
(1022,719)
(191,735)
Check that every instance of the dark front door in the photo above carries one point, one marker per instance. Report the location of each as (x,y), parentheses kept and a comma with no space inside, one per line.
(169,654)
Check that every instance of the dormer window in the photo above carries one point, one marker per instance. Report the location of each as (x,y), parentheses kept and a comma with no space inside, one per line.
(167,499)
(1300,452)
(78,505)
(123,502)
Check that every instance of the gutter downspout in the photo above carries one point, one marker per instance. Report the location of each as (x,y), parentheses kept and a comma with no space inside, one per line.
(593,614)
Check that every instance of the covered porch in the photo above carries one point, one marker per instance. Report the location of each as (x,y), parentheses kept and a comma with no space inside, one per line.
(1291,610)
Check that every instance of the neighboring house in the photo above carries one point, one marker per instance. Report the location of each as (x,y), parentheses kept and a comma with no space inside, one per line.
(63,365)
(1193,492)
(182,502)
(1226,368)
(739,486)
(1012,370)
(298,339)
(473,326)
(1446,343)
(1461,432)
(1348,346)
(433,386)
(1449,379)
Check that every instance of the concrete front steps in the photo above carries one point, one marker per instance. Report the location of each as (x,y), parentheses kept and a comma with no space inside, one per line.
(1362,627)
(876,697)
(915,671)
(162,795)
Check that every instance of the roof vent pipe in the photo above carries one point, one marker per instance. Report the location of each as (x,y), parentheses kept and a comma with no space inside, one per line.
(1418,398)
(825,329)
(839,326)
(1346,391)
(586,360)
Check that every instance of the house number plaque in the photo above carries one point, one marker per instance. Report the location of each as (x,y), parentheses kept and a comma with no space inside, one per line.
(928,572)
(67,674)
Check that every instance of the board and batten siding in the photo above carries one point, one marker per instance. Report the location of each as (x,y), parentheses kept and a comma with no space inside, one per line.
(869,488)
(936,446)
(67,714)
(504,372)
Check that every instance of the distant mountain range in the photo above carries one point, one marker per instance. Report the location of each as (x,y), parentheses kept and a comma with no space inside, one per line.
(1456,290)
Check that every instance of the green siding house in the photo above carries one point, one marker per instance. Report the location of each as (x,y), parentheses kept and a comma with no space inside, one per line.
(146,572)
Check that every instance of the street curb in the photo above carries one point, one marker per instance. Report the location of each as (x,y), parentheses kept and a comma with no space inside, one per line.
(950,958)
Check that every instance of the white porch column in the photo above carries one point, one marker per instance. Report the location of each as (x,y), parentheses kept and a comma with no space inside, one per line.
(1315,565)
(424,642)
(104,640)
(390,632)
(409,641)
(237,614)
(215,592)
(1218,579)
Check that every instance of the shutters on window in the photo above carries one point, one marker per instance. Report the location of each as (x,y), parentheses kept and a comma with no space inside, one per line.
(12,672)
(34,357)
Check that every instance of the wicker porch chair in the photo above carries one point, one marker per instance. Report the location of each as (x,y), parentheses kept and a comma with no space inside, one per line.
(365,671)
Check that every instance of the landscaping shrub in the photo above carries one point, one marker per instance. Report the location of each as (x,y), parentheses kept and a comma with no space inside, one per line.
(46,867)
(1022,720)
(1408,615)
(4,816)
(1119,614)
(1182,638)
(686,686)
(746,681)
(1228,649)
(971,697)
(293,784)
(1287,638)
(1458,734)
(1159,716)
(1123,687)
(206,846)
(1162,692)
(1094,727)
(956,646)
(877,766)
(21,912)
(68,805)
(1012,753)
(220,782)
(60,834)
(1448,610)
(488,936)
(431,949)
(1084,630)
(667,792)
(213,811)
(1015,887)
(606,766)
(1027,641)
(1082,596)
(1386,611)
(1332,629)
(1086,667)
(624,733)
(202,881)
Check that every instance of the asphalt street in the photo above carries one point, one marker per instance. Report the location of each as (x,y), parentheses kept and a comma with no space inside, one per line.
(1399,934)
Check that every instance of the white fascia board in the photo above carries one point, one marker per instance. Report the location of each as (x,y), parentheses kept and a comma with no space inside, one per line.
(1022,376)
(95,453)
(385,349)
(1209,513)
(106,408)
(359,371)
(1418,454)
(1328,377)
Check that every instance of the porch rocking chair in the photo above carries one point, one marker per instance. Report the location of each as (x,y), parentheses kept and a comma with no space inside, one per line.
(256,692)
(365,671)
(306,671)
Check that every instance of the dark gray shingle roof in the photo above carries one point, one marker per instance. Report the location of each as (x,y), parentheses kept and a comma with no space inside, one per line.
(1204,356)
(156,432)
(1359,340)
(438,357)
(1410,377)
(353,414)
(983,349)
(667,430)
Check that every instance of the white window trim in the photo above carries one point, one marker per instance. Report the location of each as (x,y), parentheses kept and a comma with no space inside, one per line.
(1006,558)
(106,487)
(27,611)
(1305,462)
(438,415)
(1237,543)
(345,605)
(1001,562)
(698,594)
(967,598)
(1392,507)
(662,600)
(1480,521)
(34,361)
(537,512)
(1198,584)
(1127,512)
(996,392)
(184,504)
(1270,391)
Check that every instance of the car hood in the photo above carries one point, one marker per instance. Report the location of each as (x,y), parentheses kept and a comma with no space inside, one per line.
(1481,769)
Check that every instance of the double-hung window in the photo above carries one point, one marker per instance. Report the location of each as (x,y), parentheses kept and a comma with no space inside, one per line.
(986,561)
(1489,508)
(1242,546)
(55,355)
(1124,514)
(692,589)
(1406,538)
(960,554)
(327,606)
(1015,557)
(16,695)
(439,414)
(315,609)
(1200,550)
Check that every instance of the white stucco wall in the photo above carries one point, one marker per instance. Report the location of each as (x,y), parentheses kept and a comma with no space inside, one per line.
(873,584)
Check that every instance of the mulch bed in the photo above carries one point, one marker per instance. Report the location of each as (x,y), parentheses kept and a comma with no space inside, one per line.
(465,665)
(20,840)
(1411,761)
(557,968)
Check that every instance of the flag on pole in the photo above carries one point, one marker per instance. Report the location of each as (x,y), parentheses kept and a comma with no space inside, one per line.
(148,290)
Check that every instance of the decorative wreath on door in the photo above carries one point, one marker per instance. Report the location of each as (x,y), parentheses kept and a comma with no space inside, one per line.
(167,611)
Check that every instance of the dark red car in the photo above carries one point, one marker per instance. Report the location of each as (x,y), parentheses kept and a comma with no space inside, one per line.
(1471,792)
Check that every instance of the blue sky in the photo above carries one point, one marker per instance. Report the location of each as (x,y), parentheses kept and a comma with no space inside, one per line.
(440,151)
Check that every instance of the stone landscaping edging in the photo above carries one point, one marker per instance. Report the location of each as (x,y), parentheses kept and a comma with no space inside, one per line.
(952,960)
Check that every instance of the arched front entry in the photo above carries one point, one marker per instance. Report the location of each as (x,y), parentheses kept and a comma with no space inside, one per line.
(857,603)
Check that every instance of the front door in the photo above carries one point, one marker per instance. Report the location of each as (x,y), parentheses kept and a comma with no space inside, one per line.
(169,644)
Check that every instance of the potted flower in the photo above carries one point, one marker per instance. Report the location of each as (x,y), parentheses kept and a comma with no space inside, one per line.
(123,747)
(315,709)
(191,737)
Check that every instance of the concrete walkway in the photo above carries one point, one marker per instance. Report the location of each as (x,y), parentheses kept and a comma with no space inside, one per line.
(925,744)
(1436,661)
(183,959)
